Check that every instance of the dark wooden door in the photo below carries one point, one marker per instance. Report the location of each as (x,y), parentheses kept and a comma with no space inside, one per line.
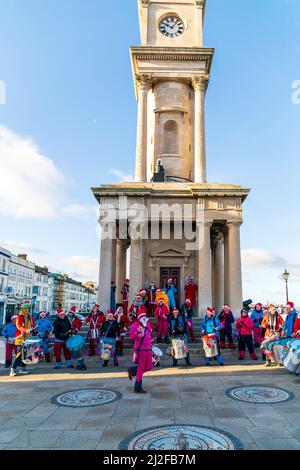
(171,273)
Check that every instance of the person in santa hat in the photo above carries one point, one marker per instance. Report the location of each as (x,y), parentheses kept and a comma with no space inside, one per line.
(125,295)
(162,315)
(136,308)
(296,332)
(110,329)
(257,316)
(245,327)
(143,294)
(227,320)
(178,330)
(211,325)
(25,326)
(292,315)
(124,323)
(62,331)
(44,328)
(75,326)
(187,313)
(141,335)
(191,289)
(94,320)
(8,333)
(151,299)
(273,326)
(170,290)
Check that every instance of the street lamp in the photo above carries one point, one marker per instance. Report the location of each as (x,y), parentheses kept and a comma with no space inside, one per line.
(285,277)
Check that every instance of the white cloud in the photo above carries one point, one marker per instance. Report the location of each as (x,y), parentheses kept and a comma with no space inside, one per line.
(123,177)
(15,246)
(82,267)
(257,258)
(80,211)
(30,182)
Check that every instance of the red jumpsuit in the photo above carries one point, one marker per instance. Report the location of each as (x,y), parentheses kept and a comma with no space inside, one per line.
(190,293)
(162,314)
(95,322)
(124,323)
(125,293)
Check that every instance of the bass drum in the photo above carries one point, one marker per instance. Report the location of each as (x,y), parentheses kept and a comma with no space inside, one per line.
(76,346)
(210,345)
(107,348)
(156,355)
(32,351)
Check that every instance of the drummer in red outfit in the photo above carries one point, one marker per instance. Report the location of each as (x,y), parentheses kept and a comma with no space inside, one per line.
(136,308)
(124,323)
(162,315)
(95,319)
(190,290)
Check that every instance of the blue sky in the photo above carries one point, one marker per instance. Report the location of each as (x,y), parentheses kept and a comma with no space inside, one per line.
(69,123)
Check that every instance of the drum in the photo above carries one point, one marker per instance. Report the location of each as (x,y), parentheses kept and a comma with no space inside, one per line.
(94,334)
(210,345)
(156,355)
(108,346)
(76,346)
(179,348)
(291,360)
(32,351)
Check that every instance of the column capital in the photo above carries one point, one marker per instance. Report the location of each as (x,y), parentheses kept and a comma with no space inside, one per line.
(143,82)
(200,3)
(145,3)
(234,223)
(200,82)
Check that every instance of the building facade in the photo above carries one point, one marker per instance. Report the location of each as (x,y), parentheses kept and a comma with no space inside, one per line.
(70,293)
(20,282)
(43,290)
(177,224)
(4,272)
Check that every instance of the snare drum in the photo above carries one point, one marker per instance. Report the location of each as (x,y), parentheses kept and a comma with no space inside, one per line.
(179,348)
(210,345)
(156,355)
(32,351)
(108,346)
(76,346)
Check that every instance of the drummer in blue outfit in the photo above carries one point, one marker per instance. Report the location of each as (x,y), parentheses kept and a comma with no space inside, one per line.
(44,328)
(211,325)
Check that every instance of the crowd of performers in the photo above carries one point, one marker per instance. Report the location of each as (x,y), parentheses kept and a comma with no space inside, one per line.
(262,329)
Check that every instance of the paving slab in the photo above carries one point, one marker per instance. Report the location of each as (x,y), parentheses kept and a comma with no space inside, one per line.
(78,440)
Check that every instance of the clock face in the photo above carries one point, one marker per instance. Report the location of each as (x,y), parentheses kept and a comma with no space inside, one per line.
(171,26)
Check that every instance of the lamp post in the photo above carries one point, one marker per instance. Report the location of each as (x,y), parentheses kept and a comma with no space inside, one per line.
(285,277)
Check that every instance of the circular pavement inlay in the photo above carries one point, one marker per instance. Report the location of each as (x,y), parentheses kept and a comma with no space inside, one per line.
(180,437)
(260,394)
(86,397)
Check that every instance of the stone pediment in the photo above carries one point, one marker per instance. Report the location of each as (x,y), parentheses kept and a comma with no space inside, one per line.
(173,252)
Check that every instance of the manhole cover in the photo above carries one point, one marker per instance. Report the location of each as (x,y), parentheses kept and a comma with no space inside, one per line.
(86,397)
(180,437)
(259,394)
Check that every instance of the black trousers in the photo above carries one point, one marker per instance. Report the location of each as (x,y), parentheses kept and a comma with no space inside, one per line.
(18,360)
(246,340)
(224,334)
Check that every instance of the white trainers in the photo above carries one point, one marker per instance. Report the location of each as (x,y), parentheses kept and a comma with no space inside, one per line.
(23,372)
(13,373)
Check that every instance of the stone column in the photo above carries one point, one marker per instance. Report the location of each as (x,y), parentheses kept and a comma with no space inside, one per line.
(226,266)
(105,272)
(234,268)
(143,83)
(136,276)
(200,84)
(219,272)
(204,267)
(121,250)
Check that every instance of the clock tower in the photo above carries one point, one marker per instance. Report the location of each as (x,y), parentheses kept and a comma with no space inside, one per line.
(171,72)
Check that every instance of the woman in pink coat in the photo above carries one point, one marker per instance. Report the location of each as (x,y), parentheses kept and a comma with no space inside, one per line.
(245,328)
(141,335)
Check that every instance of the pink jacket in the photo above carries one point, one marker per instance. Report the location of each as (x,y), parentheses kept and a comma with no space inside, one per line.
(136,336)
(162,313)
(245,325)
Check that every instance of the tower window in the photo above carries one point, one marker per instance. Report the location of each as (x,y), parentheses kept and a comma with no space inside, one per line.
(170,138)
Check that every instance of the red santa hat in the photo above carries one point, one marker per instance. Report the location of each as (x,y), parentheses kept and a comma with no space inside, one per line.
(138,297)
(14,317)
(142,292)
(43,313)
(258,305)
(226,306)
(290,304)
(188,301)
(141,315)
(158,290)
(96,306)
(210,310)
(175,310)
(60,310)
(72,309)
(170,281)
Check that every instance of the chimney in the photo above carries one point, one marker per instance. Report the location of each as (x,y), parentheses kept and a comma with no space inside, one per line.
(22,256)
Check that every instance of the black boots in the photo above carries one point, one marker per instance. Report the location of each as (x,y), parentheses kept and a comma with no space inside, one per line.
(138,388)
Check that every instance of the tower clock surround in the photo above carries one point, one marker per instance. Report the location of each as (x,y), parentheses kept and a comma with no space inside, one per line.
(171,77)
